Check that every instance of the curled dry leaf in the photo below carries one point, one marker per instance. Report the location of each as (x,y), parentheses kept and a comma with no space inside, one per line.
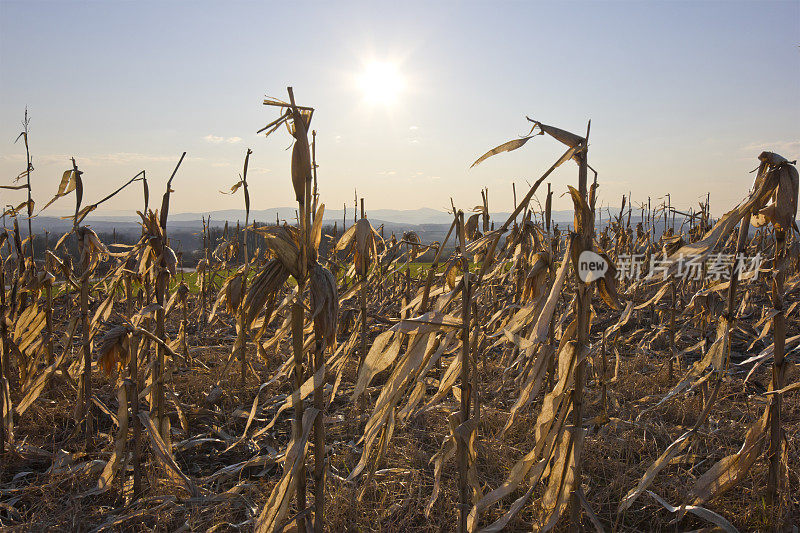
(472,228)
(607,285)
(413,238)
(505,147)
(170,260)
(563,136)
(265,285)
(66,186)
(114,350)
(284,242)
(783,210)
(536,279)
(233,293)
(455,265)
(360,240)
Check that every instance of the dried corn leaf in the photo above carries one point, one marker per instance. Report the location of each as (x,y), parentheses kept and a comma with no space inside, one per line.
(316,229)
(164,457)
(32,392)
(234,187)
(265,285)
(533,384)
(446,452)
(715,357)
(548,426)
(66,186)
(6,410)
(562,477)
(730,470)
(701,512)
(117,460)
(765,185)
(505,147)
(276,507)
(384,350)
(391,392)
(649,476)
(540,332)
(114,350)
(284,242)
(312,383)
(563,136)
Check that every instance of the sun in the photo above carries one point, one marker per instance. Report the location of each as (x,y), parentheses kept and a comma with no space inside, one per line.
(381,83)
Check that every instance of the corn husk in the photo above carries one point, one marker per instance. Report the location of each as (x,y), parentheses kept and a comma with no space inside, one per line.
(324,305)
(301,159)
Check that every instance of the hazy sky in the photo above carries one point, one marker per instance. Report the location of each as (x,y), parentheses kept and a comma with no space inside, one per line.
(682,95)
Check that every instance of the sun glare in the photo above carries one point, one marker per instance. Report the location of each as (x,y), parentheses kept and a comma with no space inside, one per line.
(381,83)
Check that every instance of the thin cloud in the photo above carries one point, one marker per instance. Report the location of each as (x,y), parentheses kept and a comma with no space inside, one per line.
(215,139)
(131,157)
(114,158)
(414,137)
(784,148)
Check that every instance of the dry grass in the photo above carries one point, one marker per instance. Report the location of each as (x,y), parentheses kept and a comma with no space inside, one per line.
(616,455)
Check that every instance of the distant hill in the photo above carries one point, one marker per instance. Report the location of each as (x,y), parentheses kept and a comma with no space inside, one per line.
(422,220)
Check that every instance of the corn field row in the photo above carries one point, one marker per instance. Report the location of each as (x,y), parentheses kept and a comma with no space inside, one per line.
(494,390)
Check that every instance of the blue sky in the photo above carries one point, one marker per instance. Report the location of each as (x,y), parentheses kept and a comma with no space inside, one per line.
(682,96)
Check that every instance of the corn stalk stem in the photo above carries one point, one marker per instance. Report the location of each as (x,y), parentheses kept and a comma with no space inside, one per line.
(603,384)
(133,371)
(319,443)
(362,302)
(432,271)
(583,302)
(319,362)
(158,367)
(297,326)
(672,348)
(466,386)
(297,425)
(241,341)
(779,342)
(86,332)
(4,364)
(28,171)
(48,331)
(86,409)
(203,316)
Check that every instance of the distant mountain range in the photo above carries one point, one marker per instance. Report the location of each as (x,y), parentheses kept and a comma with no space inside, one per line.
(184,228)
(392,219)
(412,217)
